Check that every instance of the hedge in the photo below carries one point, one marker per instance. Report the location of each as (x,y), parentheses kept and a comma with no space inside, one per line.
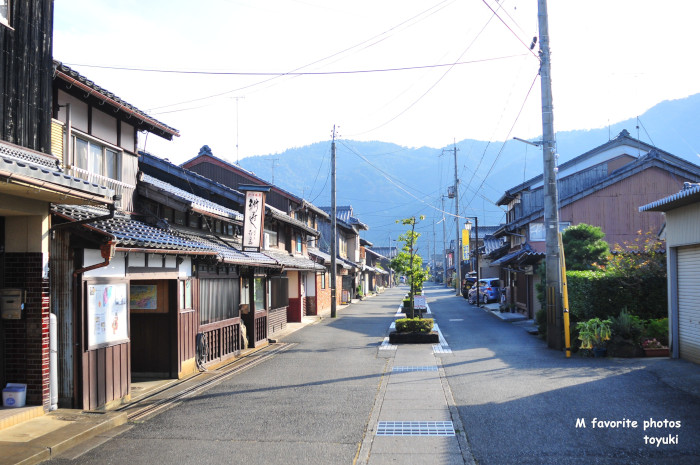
(597,294)
(419,325)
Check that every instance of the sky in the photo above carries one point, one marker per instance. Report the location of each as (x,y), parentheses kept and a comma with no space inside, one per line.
(256,77)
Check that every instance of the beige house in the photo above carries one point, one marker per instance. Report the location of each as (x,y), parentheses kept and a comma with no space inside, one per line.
(682,233)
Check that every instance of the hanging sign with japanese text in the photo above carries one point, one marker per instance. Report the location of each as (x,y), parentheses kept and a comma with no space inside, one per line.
(252,223)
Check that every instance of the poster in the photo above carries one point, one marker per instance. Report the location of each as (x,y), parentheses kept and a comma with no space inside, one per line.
(143,297)
(107,316)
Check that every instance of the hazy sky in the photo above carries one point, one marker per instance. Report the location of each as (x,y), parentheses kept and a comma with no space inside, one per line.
(611,60)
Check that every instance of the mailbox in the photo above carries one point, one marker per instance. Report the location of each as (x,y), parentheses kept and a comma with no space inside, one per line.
(11,303)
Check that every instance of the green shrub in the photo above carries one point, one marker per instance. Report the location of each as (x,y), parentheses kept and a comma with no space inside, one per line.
(417,325)
(657,329)
(627,326)
(600,294)
(541,318)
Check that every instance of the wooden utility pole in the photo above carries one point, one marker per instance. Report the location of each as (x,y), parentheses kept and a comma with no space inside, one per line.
(551,196)
(334,231)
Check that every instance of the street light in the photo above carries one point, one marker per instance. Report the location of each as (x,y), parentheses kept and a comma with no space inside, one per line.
(468,227)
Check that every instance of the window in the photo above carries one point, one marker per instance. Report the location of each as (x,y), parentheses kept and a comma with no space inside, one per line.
(342,246)
(271,233)
(537,232)
(96,158)
(299,243)
(259,294)
(193,220)
(185,294)
(218,300)
(5,12)
(279,292)
(323,280)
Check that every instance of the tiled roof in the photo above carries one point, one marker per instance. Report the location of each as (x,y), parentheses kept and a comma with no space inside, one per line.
(344,214)
(131,233)
(65,73)
(198,202)
(689,194)
(294,262)
(36,165)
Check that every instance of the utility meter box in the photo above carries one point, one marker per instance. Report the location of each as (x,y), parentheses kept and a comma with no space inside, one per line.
(11,304)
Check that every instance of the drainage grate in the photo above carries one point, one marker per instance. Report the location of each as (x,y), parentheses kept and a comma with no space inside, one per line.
(415,428)
(423,368)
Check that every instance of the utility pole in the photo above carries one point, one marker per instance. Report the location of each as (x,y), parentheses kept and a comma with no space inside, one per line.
(274,160)
(458,240)
(237,99)
(444,244)
(551,196)
(334,231)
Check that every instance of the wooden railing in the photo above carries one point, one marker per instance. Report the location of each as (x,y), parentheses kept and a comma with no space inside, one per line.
(260,326)
(223,340)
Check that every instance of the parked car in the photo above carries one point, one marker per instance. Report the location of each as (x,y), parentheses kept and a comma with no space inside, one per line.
(467,284)
(489,291)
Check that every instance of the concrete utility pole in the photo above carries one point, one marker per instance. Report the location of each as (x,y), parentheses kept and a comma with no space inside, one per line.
(444,244)
(334,231)
(551,196)
(458,239)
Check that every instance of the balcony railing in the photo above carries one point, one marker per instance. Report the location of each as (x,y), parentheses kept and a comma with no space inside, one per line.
(120,188)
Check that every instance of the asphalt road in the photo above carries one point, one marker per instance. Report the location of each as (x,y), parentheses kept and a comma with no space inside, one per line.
(309,404)
(519,402)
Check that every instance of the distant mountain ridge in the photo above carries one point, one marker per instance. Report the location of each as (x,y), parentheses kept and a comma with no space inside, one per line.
(384,182)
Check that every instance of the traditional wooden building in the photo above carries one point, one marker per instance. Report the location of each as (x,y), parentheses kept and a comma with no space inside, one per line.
(291,229)
(602,187)
(31,178)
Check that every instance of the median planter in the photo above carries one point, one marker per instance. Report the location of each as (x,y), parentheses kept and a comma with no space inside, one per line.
(414,331)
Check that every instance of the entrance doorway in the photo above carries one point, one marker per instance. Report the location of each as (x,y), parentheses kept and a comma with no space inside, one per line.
(153,312)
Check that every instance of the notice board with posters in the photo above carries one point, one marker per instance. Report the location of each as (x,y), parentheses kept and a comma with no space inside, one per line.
(107,315)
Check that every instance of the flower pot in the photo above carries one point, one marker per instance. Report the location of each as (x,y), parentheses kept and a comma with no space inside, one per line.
(599,352)
(659,352)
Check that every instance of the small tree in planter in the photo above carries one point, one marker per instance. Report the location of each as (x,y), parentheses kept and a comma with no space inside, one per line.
(408,263)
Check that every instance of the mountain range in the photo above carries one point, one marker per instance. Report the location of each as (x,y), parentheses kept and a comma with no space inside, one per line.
(384,182)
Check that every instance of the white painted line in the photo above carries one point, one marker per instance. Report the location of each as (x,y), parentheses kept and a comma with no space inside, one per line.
(456,319)
(443,347)
(386,346)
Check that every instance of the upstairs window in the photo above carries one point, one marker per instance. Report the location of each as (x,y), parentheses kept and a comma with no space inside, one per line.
(299,243)
(96,158)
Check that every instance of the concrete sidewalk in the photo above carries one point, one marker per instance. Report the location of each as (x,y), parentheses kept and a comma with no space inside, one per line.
(414,420)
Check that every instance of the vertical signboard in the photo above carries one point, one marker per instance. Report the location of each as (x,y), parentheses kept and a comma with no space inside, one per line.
(252,223)
(465,245)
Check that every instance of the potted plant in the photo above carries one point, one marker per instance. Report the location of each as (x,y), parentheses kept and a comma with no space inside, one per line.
(654,348)
(593,335)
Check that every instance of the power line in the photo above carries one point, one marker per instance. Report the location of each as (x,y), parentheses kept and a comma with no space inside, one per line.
(293,73)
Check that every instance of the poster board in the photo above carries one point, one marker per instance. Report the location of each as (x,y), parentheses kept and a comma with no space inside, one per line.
(107,315)
(419,302)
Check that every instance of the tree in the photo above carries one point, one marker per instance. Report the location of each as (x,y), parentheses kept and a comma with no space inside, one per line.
(407,262)
(584,247)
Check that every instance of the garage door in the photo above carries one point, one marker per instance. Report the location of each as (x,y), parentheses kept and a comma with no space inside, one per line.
(689,303)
